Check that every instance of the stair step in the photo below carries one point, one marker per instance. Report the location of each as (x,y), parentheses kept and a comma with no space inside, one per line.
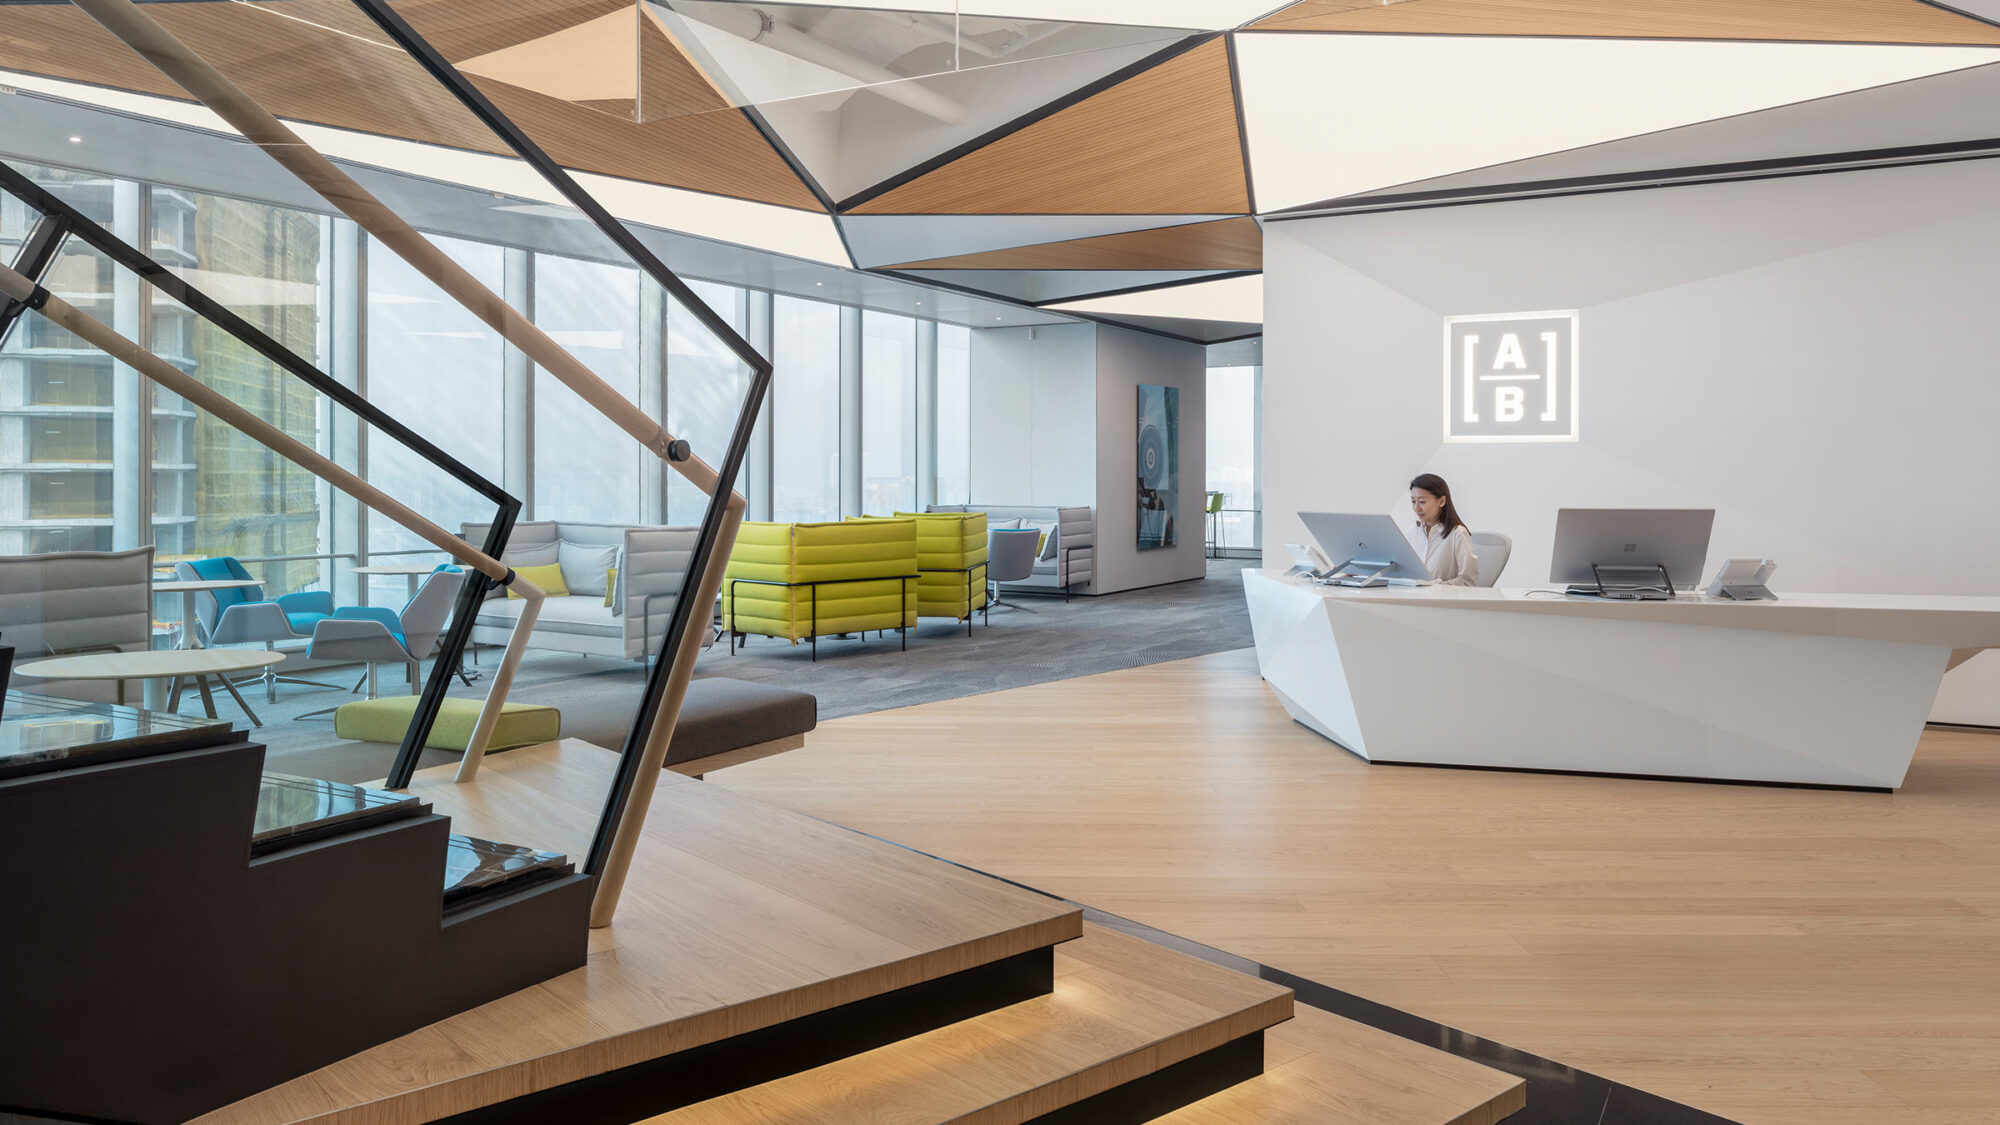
(475,868)
(1321,1069)
(1122,1009)
(292,810)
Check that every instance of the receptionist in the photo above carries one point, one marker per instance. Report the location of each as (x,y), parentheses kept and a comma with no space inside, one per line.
(1440,535)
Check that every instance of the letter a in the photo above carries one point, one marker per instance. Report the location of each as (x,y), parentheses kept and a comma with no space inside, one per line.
(1510,354)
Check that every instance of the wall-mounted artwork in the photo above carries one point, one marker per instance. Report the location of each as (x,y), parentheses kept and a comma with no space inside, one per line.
(1159,464)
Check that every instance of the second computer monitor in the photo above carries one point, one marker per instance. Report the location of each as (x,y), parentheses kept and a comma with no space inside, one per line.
(1627,538)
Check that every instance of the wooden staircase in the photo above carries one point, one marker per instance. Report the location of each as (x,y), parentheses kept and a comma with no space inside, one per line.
(769,967)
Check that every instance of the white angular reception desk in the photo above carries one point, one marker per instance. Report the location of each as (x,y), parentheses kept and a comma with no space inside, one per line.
(1813,689)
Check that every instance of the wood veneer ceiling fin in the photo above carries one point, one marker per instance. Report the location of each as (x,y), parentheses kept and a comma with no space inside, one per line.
(322,62)
(1226,244)
(1813,21)
(1163,141)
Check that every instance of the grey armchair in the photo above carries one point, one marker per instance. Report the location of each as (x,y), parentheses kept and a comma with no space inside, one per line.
(243,616)
(1010,557)
(374,635)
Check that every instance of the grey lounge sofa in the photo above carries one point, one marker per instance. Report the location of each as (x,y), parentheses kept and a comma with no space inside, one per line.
(70,602)
(1069,568)
(651,561)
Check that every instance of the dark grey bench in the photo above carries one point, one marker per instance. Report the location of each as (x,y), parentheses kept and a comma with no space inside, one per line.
(727,722)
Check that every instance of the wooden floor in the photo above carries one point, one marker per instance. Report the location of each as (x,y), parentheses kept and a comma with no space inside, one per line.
(1776,956)
(736,916)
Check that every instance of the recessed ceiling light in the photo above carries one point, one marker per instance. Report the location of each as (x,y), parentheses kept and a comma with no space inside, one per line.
(76,140)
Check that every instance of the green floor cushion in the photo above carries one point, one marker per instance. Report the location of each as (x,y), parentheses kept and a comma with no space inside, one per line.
(385,720)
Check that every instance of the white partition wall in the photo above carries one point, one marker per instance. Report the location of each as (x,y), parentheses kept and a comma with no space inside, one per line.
(1814,357)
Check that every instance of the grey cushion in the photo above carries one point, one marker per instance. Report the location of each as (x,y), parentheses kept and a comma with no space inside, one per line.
(584,564)
(721,714)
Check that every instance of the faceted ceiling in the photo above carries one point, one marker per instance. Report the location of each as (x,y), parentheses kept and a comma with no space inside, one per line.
(1112,158)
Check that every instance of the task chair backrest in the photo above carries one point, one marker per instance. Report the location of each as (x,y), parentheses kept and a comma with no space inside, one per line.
(1491,550)
(1010,554)
(209,604)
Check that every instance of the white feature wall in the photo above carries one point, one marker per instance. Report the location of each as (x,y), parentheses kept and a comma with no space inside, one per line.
(1812,357)
(1034,415)
(1126,359)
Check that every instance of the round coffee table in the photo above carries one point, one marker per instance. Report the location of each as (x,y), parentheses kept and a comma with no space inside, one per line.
(172,666)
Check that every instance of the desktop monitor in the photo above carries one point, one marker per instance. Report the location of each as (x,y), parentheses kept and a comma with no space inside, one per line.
(1630,539)
(1366,546)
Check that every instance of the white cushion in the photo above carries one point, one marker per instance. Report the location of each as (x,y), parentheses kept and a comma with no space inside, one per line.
(1048,531)
(584,564)
(1003,525)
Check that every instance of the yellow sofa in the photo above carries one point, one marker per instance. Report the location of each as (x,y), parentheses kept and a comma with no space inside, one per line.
(802,581)
(951,557)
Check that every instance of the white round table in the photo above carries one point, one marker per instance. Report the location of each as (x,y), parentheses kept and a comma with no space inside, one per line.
(159,669)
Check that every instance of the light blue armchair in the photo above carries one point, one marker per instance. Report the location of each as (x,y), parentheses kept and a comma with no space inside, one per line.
(375,635)
(245,616)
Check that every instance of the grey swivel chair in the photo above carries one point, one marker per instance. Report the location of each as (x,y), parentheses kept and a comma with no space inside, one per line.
(1010,557)
(244,616)
(1491,550)
(375,635)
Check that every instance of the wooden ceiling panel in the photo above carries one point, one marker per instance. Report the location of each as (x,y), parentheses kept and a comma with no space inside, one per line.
(317,66)
(1226,244)
(1164,141)
(1821,21)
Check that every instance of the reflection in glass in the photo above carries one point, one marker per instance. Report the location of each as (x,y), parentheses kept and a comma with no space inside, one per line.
(705,390)
(586,467)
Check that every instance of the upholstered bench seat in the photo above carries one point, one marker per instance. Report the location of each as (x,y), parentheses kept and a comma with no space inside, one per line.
(385,720)
(725,722)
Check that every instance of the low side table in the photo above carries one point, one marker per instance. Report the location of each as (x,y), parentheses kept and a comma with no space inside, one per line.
(164,672)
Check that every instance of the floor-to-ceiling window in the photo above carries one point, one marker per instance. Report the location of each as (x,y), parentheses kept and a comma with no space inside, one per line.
(954,414)
(705,388)
(805,410)
(1232,455)
(586,469)
(888,413)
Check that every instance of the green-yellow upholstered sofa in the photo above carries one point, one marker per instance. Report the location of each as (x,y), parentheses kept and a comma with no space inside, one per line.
(951,562)
(803,581)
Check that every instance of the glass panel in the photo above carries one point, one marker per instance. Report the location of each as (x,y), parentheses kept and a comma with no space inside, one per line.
(888,413)
(586,468)
(1232,454)
(705,390)
(217,491)
(954,414)
(442,372)
(805,410)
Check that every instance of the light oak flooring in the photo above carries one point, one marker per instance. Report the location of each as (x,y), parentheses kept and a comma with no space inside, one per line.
(1777,956)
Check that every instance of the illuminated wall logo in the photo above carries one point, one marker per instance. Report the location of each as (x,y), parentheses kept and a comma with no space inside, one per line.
(1510,377)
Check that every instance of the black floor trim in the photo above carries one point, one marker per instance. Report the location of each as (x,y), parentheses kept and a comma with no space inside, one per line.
(1167,1089)
(756,1057)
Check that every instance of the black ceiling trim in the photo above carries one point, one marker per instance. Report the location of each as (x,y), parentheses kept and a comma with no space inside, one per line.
(1076,316)
(1218,275)
(1826,163)
(1107,322)
(1973,16)
(919,265)
(1242,122)
(1047,110)
(786,154)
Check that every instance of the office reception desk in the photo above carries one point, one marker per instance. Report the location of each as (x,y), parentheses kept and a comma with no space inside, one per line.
(1813,689)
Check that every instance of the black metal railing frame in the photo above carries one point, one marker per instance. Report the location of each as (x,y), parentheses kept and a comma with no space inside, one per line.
(66,221)
(531,153)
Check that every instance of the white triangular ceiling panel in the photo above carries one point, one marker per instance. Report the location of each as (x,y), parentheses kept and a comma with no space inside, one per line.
(1231,298)
(1333,115)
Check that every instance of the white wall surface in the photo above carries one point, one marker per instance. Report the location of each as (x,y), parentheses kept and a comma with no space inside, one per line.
(1034,415)
(1813,357)
(1126,359)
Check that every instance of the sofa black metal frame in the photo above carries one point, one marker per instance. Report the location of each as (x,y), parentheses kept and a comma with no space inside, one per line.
(813,605)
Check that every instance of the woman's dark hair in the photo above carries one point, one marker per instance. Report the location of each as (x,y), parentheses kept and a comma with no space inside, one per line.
(1435,485)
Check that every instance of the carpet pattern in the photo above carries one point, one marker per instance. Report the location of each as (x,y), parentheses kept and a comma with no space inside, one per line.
(1030,641)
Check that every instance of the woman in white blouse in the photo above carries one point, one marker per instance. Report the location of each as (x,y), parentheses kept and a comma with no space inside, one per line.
(1441,537)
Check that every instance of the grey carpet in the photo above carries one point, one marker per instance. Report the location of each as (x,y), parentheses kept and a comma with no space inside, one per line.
(1034,640)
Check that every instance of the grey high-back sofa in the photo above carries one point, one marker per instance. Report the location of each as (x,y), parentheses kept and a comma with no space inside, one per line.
(1070,565)
(652,562)
(73,602)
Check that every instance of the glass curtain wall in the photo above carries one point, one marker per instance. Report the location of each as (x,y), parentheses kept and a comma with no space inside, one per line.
(805,410)
(1232,456)
(888,413)
(92,458)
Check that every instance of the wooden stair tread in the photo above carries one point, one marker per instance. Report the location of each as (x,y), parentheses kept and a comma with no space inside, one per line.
(736,915)
(1322,1069)
(1122,1009)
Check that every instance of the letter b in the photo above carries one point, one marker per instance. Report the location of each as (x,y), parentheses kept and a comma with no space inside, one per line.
(1509,404)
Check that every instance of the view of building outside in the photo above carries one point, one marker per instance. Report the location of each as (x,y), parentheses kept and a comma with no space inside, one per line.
(954,414)
(1232,454)
(888,413)
(705,389)
(805,410)
(586,468)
